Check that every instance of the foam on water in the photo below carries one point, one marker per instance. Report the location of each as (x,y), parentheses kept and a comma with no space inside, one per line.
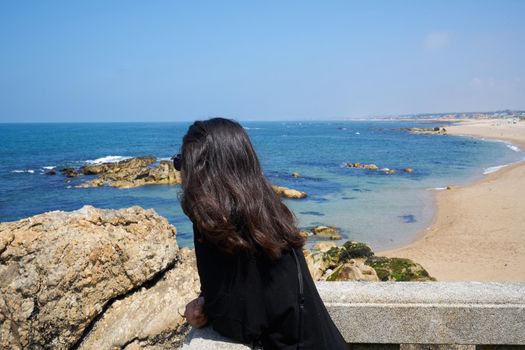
(107,159)
(29,171)
(493,169)
(513,147)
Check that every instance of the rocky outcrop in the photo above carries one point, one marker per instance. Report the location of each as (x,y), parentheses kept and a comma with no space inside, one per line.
(132,172)
(69,172)
(386,171)
(398,269)
(355,261)
(288,192)
(426,131)
(150,318)
(122,168)
(324,232)
(92,278)
(362,166)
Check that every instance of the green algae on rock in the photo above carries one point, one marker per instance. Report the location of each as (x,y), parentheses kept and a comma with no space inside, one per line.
(398,269)
(355,261)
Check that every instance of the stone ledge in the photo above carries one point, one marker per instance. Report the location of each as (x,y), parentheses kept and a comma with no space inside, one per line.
(452,313)
(427,312)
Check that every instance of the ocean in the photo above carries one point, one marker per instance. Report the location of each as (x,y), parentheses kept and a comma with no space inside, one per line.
(382,210)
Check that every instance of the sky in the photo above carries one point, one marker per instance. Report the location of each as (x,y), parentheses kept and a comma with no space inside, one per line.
(75,61)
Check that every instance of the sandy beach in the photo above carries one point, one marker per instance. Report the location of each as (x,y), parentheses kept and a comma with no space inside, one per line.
(478,233)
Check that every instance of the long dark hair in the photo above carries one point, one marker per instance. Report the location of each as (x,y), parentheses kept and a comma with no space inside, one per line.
(226,194)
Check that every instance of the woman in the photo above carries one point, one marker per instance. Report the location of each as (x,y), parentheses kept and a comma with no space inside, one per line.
(255,284)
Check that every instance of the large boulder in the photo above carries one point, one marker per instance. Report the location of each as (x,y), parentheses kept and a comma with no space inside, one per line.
(150,318)
(63,274)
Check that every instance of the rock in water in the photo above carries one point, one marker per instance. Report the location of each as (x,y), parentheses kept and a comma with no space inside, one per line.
(127,165)
(59,271)
(288,192)
(69,172)
(132,172)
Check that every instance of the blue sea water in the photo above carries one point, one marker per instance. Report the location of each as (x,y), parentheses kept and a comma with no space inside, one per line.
(382,210)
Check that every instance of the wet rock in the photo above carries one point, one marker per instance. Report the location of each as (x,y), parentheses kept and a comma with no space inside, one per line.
(408,170)
(295,174)
(69,172)
(362,166)
(288,192)
(324,230)
(51,172)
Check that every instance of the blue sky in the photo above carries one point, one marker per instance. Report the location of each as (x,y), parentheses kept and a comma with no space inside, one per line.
(257,60)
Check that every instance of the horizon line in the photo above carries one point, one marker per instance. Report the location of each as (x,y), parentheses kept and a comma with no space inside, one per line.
(354,118)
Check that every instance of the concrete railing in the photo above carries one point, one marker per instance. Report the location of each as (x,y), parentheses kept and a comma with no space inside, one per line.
(392,315)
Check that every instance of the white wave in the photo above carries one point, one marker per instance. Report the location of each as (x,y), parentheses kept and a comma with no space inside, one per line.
(49,167)
(248,128)
(358,133)
(440,188)
(165,158)
(513,147)
(493,169)
(30,171)
(107,159)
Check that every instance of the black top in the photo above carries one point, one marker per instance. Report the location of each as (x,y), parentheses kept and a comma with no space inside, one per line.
(248,297)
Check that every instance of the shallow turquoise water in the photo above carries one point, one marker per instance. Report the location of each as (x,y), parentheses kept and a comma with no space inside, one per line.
(383,210)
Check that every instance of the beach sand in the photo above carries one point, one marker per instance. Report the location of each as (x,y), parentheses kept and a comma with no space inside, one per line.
(478,233)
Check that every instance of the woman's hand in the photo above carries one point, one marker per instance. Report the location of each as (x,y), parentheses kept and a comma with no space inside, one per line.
(194,313)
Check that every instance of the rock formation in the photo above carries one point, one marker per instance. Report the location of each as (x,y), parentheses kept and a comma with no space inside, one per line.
(356,261)
(67,277)
(288,192)
(132,172)
(426,131)
(374,167)
(325,232)
(362,166)
(69,172)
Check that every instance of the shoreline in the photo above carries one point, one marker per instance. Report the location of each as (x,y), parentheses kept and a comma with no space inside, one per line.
(477,231)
